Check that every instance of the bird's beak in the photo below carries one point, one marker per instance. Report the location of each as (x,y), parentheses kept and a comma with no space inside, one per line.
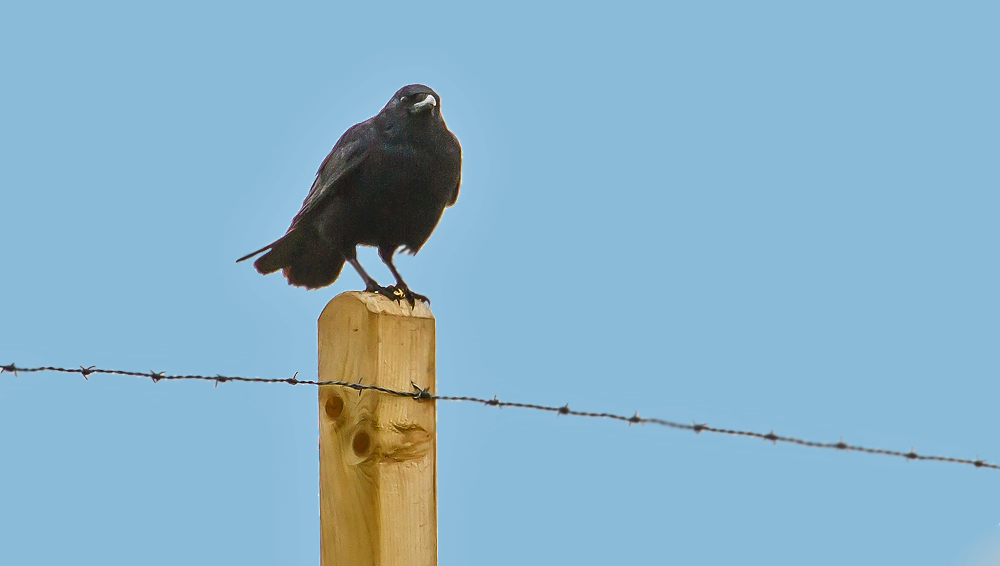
(427,103)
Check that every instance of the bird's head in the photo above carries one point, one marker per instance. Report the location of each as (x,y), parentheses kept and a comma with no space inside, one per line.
(415,100)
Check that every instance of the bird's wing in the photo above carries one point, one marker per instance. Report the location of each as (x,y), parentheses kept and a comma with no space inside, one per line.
(454,197)
(458,183)
(345,157)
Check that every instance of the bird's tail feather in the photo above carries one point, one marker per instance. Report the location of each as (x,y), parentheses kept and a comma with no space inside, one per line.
(251,254)
(305,261)
(282,252)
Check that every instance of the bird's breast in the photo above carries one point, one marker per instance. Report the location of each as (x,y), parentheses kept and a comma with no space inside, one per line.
(404,190)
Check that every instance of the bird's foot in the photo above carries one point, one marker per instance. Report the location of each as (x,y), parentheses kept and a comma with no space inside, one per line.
(399,293)
(380,290)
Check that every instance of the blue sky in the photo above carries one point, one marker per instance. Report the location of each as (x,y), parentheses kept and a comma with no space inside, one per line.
(769,216)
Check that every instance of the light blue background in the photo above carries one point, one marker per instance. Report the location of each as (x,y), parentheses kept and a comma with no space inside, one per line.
(757,215)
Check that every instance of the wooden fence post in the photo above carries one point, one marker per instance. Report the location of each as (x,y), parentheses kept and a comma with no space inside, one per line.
(377,452)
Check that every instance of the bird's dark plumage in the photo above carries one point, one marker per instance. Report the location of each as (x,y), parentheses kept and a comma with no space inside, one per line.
(384,184)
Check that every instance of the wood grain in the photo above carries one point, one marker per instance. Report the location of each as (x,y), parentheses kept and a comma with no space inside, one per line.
(377,453)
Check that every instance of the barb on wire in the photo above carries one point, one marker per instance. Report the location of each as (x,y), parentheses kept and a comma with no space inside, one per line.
(420,394)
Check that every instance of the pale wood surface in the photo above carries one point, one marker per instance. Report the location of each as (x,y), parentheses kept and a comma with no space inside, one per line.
(377,453)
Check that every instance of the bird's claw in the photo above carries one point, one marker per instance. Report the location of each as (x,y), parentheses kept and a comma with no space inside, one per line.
(399,294)
(411,296)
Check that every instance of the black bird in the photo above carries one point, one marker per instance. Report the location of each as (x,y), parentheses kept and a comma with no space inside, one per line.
(385,184)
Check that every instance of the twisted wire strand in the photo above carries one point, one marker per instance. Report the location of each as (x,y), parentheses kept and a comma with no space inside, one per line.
(421,394)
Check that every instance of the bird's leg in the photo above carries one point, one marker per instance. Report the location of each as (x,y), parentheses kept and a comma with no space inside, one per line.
(400,290)
(371,286)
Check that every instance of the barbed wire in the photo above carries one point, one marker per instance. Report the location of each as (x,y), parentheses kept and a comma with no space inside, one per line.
(420,394)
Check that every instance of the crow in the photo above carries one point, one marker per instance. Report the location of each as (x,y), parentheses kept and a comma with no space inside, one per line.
(385,184)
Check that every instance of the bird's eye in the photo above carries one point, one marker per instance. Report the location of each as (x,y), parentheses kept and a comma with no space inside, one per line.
(402,99)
